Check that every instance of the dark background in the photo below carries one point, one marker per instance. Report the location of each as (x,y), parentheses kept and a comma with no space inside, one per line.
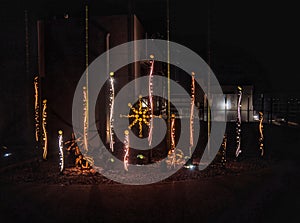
(261,30)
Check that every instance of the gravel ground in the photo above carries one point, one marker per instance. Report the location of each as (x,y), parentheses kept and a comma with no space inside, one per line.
(46,172)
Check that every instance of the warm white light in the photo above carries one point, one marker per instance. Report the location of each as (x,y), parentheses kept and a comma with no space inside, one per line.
(192,114)
(45,135)
(150,89)
(261,137)
(126,149)
(85,119)
(239,122)
(61,152)
(111,111)
(36,108)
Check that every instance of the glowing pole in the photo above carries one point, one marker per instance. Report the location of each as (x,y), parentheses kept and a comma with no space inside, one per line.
(150,89)
(173,145)
(238,123)
(85,119)
(61,152)
(111,120)
(86,88)
(126,149)
(192,114)
(44,123)
(224,146)
(36,108)
(261,137)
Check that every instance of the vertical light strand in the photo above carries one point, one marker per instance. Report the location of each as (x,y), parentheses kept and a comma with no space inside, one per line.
(261,134)
(168,72)
(36,108)
(150,92)
(192,114)
(60,151)
(238,123)
(126,149)
(111,111)
(173,143)
(224,148)
(86,88)
(85,119)
(45,134)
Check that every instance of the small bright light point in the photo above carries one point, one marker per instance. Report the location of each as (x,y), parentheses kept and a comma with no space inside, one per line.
(60,132)
(141,156)
(151,56)
(111,74)
(191,166)
(126,132)
(7,154)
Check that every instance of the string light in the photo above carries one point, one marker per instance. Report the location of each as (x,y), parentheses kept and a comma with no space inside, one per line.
(176,157)
(150,89)
(238,123)
(85,119)
(61,152)
(171,161)
(261,137)
(45,135)
(192,114)
(173,132)
(85,88)
(111,120)
(36,108)
(224,147)
(126,149)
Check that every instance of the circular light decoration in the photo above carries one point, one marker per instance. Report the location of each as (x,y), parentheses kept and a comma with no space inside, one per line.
(61,152)
(238,123)
(140,116)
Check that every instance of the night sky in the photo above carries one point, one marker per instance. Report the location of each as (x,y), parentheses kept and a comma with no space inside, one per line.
(261,30)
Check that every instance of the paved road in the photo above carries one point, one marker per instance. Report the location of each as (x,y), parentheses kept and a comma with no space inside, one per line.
(269,195)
